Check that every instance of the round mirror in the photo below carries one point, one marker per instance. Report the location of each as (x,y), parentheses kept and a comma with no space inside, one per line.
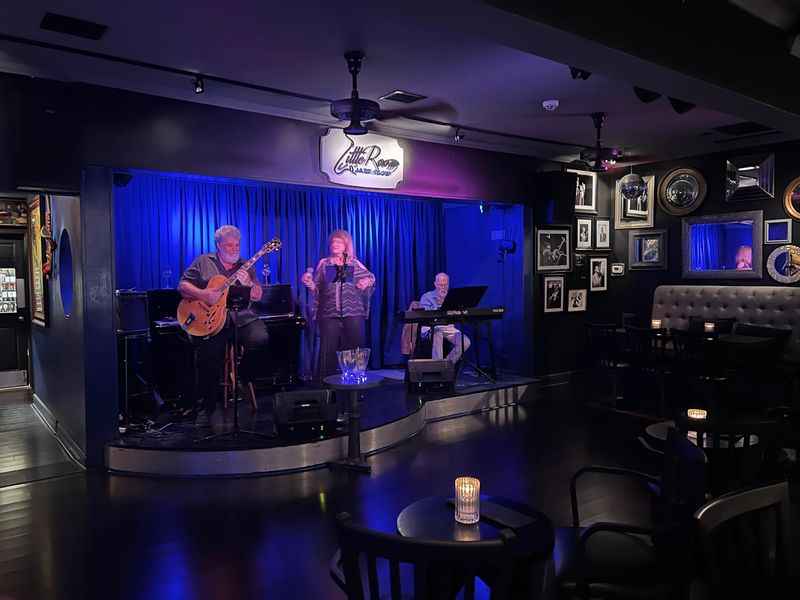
(681,191)
(783,264)
(65,272)
(791,198)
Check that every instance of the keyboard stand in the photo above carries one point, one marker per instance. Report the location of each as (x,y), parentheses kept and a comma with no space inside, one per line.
(476,365)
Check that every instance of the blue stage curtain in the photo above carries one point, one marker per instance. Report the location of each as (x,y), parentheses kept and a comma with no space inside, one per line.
(163,221)
(705,246)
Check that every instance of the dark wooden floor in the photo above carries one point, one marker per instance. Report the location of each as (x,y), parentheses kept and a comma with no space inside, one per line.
(89,535)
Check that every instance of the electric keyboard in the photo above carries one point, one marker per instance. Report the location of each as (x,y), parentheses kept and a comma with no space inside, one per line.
(440,317)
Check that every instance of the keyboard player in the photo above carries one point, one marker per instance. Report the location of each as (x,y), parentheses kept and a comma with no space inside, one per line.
(433,300)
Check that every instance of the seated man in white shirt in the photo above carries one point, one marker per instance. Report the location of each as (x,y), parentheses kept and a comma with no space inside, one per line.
(433,301)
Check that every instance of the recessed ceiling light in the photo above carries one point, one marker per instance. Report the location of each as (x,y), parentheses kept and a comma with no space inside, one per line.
(402,96)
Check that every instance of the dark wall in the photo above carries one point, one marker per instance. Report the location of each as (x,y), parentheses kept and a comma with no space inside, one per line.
(67,126)
(633,293)
(57,357)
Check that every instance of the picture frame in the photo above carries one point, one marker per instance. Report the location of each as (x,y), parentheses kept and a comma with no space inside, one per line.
(583,234)
(37,211)
(598,274)
(682,191)
(778,231)
(554,294)
(585,191)
(617,269)
(648,250)
(553,249)
(577,300)
(633,221)
(602,238)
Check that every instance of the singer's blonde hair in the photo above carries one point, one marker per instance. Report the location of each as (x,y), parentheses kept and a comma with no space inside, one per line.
(346,238)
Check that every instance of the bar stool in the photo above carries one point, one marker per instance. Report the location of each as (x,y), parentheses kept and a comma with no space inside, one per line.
(230,377)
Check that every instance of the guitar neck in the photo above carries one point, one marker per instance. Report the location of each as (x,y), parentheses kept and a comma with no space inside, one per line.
(245,267)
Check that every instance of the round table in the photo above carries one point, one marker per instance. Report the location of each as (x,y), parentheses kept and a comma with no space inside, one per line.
(433,518)
(354,458)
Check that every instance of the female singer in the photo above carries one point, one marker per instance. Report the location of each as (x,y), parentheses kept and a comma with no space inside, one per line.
(341,286)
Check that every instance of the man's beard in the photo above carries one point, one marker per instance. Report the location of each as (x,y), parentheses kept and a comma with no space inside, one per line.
(229,258)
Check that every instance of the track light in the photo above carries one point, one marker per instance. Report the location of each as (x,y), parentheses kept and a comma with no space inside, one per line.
(459,136)
(679,106)
(579,73)
(646,96)
(199,85)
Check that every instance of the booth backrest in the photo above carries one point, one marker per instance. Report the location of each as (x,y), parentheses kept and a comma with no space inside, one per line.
(762,305)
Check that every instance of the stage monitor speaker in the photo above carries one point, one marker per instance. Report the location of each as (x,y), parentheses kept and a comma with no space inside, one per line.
(554,198)
(428,374)
(304,411)
(131,312)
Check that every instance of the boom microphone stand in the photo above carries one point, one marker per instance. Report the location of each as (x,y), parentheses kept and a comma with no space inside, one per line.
(238,298)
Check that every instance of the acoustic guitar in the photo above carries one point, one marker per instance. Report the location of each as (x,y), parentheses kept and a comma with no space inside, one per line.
(200,319)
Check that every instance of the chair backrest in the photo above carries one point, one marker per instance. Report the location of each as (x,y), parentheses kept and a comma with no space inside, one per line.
(683,474)
(746,537)
(437,565)
(645,344)
(602,342)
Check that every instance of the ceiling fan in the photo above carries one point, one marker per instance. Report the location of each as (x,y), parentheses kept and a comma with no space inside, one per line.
(600,158)
(359,110)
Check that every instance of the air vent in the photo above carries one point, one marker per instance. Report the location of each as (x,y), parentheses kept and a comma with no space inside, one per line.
(401,96)
(744,128)
(72,26)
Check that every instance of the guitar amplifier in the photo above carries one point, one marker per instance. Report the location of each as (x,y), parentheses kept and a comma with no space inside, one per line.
(131,314)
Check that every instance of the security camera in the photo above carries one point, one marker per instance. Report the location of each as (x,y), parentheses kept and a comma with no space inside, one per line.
(550,105)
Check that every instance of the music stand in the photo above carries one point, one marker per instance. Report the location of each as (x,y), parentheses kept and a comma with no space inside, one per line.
(461,299)
(238,299)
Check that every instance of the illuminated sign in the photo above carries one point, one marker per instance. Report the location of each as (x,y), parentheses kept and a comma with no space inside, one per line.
(369,160)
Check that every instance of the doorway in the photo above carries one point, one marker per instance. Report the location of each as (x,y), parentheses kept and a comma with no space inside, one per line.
(14,314)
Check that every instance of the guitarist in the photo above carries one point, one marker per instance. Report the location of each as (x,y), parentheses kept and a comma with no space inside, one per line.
(252,332)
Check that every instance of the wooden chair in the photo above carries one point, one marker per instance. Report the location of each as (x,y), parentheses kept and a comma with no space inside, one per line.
(745,538)
(440,569)
(647,349)
(626,560)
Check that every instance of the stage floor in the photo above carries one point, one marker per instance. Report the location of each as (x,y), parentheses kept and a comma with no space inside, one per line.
(389,415)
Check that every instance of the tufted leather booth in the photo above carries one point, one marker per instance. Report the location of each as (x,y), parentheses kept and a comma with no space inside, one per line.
(764,305)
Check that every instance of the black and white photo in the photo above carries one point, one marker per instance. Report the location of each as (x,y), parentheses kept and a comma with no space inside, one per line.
(602,239)
(585,191)
(576,301)
(584,234)
(636,210)
(553,294)
(598,268)
(553,249)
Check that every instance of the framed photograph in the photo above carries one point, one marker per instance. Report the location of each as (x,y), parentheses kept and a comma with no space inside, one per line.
(647,249)
(576,301)
(602,238)
(598,280)
(554,294)
(583,236)
(635,211)
(38,253)
(585,191)
(778,231)
(617,269)
(553,249)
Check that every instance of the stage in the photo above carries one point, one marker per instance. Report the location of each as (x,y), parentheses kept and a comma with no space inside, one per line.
(390,414)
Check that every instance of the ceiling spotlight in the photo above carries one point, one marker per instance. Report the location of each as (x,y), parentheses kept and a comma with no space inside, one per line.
(679,106)
(199,85)
(646,96)
(459,136)
(579,73)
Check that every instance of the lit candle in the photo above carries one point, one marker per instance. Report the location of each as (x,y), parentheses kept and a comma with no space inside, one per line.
(468,500)
(708,327)
(655,324)
(697,413)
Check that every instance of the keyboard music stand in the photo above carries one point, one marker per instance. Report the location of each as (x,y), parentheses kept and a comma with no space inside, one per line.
(461,299)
